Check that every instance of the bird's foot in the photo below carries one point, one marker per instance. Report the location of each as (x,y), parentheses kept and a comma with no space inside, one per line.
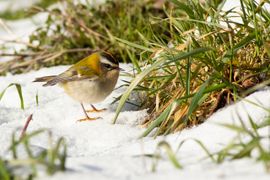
(94,109)
(88,119)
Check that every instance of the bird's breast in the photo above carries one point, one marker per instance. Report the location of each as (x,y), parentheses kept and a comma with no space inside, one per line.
(87,91)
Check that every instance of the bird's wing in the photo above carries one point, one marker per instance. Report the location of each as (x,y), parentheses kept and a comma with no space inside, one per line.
(73,74)
(79,73)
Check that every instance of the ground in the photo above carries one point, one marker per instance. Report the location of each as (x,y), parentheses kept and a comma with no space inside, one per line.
(102,150)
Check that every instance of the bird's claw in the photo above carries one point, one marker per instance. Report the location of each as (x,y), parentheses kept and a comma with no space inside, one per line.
(88,119)
(96,110)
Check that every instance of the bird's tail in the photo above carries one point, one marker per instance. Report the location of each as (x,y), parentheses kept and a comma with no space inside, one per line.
(50,80)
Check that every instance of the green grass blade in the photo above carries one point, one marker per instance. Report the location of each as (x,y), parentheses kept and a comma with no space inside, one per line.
(246,151)
(170,153)
(209,154)
(229,54)
(37,99)
(195,100)
(184,8)
(4,174)
(133,84)
(238,129)
(19,90)
(204,148)
(163,116)
(184,55)
(131,44)
(265,123)
(188,74)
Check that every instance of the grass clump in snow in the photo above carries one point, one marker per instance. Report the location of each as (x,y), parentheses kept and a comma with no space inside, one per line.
(211,60)
(51,160)
(251,141)
(253,145)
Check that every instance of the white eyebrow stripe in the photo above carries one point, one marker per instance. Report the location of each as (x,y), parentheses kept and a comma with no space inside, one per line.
(106,61)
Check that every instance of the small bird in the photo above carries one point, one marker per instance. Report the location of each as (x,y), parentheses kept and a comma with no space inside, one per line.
(90,80)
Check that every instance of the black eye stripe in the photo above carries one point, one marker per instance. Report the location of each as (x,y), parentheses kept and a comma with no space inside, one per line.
(107,66)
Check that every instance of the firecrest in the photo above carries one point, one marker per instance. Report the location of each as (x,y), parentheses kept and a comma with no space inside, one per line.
(90,80)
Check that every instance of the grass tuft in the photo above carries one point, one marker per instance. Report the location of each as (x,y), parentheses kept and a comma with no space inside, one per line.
(52,159)
(232,60)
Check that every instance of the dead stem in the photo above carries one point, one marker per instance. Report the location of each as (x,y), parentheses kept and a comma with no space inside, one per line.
(26,126)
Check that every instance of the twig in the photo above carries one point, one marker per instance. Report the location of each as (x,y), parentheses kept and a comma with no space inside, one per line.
(26,126)
(17,41)
(5,26)
(18,54)
(89,30)
(79,50)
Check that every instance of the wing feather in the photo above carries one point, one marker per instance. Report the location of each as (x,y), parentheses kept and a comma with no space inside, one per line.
(72,74)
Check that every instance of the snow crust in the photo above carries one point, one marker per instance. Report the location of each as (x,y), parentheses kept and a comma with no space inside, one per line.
(101,150)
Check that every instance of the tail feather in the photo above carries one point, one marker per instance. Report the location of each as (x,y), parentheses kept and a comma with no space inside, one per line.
(44,79)
(50,80)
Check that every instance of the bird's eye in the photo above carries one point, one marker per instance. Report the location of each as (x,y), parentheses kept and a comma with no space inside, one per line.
(107,66)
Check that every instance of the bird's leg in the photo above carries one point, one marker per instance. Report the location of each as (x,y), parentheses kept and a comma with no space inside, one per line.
(94,109)
(87,118)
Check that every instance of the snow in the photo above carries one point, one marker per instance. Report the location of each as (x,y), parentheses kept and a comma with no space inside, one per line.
(14,5)
(101,150)
(14,35)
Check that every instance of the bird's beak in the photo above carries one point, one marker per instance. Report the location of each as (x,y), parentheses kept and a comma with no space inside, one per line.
(120,69)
